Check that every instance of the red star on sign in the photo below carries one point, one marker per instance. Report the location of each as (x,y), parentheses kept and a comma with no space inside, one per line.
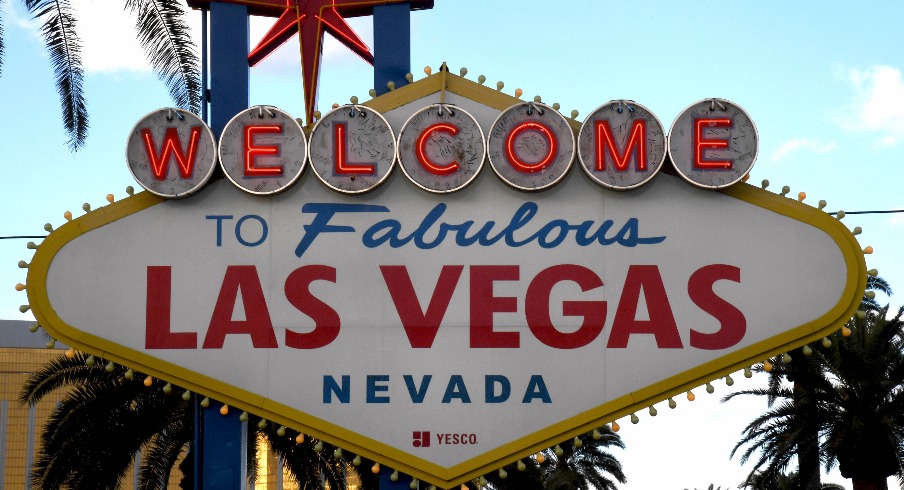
(309,18)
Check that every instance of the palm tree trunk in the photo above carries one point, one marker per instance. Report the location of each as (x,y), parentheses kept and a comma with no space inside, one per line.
(808,449)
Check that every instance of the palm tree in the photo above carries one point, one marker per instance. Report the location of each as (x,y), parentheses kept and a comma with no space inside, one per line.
(523,475)
(163,35)
(584,463)
(791,481)
(853,408)
(808,456)
(109,413)
(580,464)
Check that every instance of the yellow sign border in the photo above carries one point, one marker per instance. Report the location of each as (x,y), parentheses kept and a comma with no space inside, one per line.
(403,461)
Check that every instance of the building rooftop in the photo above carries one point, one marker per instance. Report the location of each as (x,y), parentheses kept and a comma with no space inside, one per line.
(15,334)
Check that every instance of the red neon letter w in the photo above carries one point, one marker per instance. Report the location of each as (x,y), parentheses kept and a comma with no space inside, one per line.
(172,144)
(605,143)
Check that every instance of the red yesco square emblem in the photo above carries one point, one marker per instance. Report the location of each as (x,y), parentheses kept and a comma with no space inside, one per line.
(421,439)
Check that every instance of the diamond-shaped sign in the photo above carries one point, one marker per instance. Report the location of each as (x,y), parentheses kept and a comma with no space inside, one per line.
(446,335)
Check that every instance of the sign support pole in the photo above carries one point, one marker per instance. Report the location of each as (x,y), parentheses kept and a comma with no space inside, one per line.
(229,72)
(222,460)
(403,482)
(392,45)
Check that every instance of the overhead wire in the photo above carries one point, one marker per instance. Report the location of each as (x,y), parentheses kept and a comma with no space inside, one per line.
(883,211)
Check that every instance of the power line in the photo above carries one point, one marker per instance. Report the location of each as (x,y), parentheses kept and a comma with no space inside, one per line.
(883,211)
(888,211)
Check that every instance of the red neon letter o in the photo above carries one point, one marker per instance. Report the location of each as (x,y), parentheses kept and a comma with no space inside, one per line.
(516,161)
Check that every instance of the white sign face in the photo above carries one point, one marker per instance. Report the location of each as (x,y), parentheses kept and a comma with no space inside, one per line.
(440,333)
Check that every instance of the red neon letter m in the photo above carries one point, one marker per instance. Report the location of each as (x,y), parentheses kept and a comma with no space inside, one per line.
(171,144)
(605,143)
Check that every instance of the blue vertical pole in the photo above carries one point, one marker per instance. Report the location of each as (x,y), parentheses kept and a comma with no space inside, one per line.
(204,65)
(386,483)
(392,61)
(392,45)
(229,72)
(222,459)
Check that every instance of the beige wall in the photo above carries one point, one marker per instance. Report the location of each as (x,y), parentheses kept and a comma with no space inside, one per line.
(16,365)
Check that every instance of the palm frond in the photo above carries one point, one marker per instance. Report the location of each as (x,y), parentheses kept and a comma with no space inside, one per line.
(1,45)
(844,401)
(63,371)
(587,465)
(162,454)
(164,36)
(64,49)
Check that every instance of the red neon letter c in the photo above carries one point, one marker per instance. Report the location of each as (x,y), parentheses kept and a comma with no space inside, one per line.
(420,149)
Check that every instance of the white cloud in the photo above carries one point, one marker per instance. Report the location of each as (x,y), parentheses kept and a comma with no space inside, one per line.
(805,144)
(895,221)
(877,105)
(108,37)
(106,30)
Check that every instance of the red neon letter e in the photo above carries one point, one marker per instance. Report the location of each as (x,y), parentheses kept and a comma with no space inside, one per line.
(171,144)
(340,149)
(701,144)
(251,152)
(605,143)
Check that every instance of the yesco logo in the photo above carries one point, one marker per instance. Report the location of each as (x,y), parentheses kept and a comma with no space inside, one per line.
(422,439)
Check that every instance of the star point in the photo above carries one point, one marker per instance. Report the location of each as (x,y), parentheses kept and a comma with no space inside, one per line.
(309,19)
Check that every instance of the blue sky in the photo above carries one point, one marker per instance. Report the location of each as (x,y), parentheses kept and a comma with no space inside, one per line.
(822,81)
